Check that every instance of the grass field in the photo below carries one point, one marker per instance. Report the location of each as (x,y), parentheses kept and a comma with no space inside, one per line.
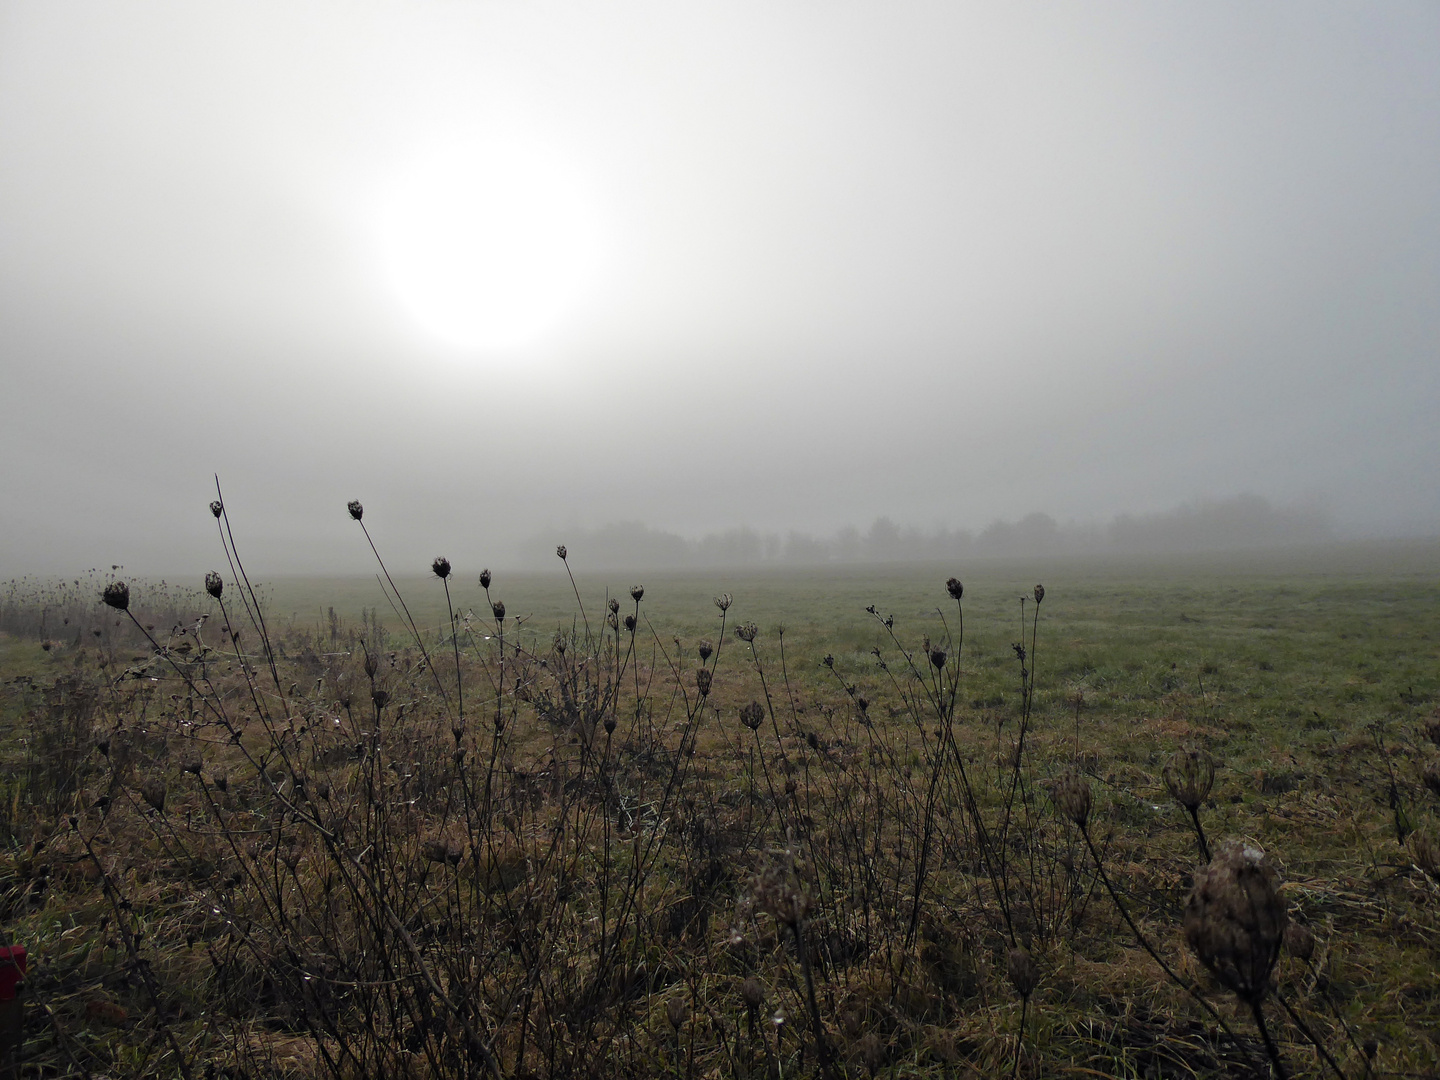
(582,864)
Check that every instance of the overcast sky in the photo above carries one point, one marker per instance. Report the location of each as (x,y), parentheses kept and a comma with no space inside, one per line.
(789,265)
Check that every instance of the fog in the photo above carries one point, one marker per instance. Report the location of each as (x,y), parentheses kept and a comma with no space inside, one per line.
(947,267)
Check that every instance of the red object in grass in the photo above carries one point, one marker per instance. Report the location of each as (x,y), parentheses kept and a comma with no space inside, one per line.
(12,970)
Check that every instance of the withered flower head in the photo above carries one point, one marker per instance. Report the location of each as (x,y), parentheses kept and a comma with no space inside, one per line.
(193,765)
(614,606)
(747,631)
(937,657)
(485,579)
(1299,941)
(214,584)
(1189,776)
(707,649)
(441,567)
(372,664)
(677,1012)
(117,595)
(1023,971)
(560,550)
(752,715)
(723,601)
(702,681)
(777,892)
(752,991)
(217,508)
(380,697)
(630,623)
(153,791)
(636,592)
(1235,919)
(498,610)
(1071,796)
(954,588)
(1039,593)
(356,510)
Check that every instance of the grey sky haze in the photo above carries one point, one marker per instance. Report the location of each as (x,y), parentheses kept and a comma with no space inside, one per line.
(942,262)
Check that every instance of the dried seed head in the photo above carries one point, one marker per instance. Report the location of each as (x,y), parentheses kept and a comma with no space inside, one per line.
(752,992)
(441,567)
(217,507)
(777,892)
(380,697)
(937,657)
(1039,593)
(609,725)
(485,579)
(702,681)
(193,765)
(221,781)
(1071,796)
(117,595)
(1235,919)
(752,715)
(614,606)
(1299,941)
(723,601)
(1189,776)
(637,592)
(214,584)
(707,649)
(356,510)
(1023,971)
(560,550)
(747,631)
(498,610)
(954,588)
(677,1012)
(153,792)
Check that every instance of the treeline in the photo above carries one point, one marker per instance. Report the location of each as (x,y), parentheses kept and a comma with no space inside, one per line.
(1244,521)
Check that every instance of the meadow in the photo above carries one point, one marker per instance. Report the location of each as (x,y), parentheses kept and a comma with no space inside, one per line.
(850,821)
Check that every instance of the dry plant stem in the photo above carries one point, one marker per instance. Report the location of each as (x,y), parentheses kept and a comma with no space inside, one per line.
(237,568)
(822,1047)
(1270,1047)
(1144,942)
(1200,834)
(455,641)
(1020,1036)
(1314,1040)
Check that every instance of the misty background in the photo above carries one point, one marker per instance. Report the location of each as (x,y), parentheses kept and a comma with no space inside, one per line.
(873,282)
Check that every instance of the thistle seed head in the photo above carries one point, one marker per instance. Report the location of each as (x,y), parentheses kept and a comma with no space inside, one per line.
(441,567)
(1023,972)
(637,592)
(117,595)
(1039,593)
(1235,919)
(217,507)
(560,551)
(214,584)
(498,610)
(1189,776)
(1071,796)
(954,588)
(485,578)
(356,510)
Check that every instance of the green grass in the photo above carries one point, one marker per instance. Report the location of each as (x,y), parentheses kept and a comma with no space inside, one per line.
(1311,677)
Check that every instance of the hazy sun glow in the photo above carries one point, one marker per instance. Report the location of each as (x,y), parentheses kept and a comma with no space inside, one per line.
(488,244)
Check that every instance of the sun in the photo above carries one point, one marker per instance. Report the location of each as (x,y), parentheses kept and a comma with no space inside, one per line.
(488,243)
